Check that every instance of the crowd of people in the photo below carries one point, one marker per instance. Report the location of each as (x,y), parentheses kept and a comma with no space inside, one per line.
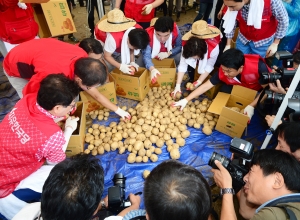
(37,181)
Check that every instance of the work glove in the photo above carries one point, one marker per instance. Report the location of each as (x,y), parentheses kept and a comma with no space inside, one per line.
(182,103)
(22,5)
(135,66)
(227,47)
(123,114)
(271,50)
(71,123)
(154,74)
(126,69)
(147,9)
(162,55)
(249,111)
(197,83)
(177,89)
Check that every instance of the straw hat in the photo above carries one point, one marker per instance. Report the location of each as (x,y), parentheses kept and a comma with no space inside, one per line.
(201,30)
(153,20)
(115,22)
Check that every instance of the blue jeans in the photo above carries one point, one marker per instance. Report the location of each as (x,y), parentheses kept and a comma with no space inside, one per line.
(249,47)
(204,11)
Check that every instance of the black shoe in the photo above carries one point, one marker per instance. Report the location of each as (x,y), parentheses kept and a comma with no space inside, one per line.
(73,39)
(61,38)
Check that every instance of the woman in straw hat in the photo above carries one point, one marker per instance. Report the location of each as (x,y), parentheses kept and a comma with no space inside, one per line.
(122,39)
(201,46)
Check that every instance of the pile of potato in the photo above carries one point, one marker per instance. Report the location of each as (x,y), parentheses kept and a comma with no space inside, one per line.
(154,123)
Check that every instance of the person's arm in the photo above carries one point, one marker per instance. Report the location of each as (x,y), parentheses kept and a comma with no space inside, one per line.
(147,58)
(135,201)
(118,3)
(108,57)
(101,99)
(220,14)
(200,90)
(157,3)
(132,55)
(178,44)
(223,180)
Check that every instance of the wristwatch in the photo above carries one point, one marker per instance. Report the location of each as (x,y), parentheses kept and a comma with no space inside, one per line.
(227,191)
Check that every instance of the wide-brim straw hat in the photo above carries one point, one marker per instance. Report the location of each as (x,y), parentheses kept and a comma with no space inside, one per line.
(201,30)
(116,22)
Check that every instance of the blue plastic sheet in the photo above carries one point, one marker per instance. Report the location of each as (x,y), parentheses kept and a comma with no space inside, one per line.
(197,152)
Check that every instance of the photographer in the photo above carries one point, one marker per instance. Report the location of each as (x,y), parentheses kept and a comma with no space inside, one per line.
(272,180)
(236,69)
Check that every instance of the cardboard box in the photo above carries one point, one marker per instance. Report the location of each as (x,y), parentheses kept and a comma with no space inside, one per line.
(211,93)
(54,18)
(76,142)
(167,69)
(108,90)
(134,86)
(231,122)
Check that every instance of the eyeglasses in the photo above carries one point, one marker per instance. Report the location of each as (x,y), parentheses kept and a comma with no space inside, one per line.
(73,106)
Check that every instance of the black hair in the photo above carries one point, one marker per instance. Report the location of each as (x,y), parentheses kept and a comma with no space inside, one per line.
(232,58)
(91,71)
(91,45)
(296,57)
(73,189)
(164,24)
(194,47)
(272,161)
(289,131)
(56,89)
(176,191)
(138,38)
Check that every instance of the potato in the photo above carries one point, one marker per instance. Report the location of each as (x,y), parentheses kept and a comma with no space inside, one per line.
(160,143)
(138,129)
(133,134)
(94,152)
(147,143)
(169,148)
(90,147)
(87,151)
(154,158)
(200,120)
(155,131)
(100,117)
(131,158)
(100,150)
(197,125)
(121,150)
(157,151)
(191,122)
(174,134)
(90,130)
(114,146)
(207,130)
(138,145)
(175,154)
(106,147)
(95,126)
(148,153)
(180,141)
(185,134)
(138,159)
(145,159)
(142,152)
(153,139)
(182,127)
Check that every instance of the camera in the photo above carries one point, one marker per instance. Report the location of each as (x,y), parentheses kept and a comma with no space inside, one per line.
(286,57)
(285,75)
(238,168)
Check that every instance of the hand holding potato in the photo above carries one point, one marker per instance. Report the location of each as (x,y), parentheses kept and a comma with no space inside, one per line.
(182,103)
(177,89)
(71,123)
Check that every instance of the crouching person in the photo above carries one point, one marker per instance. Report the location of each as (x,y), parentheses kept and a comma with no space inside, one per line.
(30,137)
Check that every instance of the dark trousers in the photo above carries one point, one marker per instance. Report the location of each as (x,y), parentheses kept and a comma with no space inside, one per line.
(204,11)
(91,5)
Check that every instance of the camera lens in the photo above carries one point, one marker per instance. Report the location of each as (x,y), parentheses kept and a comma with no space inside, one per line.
(269,78)
(215,156)
(119,180)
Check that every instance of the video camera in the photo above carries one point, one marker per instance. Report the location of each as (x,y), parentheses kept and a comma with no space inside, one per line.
(243,150)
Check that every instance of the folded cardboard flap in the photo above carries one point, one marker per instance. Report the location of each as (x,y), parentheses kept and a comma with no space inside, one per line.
(165,63)
(218,103)
(243,92)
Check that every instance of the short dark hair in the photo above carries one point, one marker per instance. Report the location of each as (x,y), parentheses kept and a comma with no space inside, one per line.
(164,24)
(194,47)
(272,161)
(56,89)
(232,58)
(138,38)
(289,131)
(296,57)
(73,189)
(91,45)
(90,71)
(176,191)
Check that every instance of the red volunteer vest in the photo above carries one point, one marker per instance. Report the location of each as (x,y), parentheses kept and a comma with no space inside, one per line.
(150,31)
(23,131)
(268,25)
(133,9)
(118,36)
(16,25)
(249,75)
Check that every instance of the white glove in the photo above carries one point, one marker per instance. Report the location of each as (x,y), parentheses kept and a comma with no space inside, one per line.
(154,74)
(162,55)
(249,111)
(135,66)
(227,47)
(22,5)
(71,123)
(197,83)
(271,50)
(182,103)
(147,9)
(125,69)
(123,114)
(177,89)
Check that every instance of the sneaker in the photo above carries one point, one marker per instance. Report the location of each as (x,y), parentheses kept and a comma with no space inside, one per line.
(73,39)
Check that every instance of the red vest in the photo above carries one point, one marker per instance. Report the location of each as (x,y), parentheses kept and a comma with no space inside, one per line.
(150,31)
(16,25)
(118,36)
(249,75)
(133,9)
(268,25)
(23,131)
